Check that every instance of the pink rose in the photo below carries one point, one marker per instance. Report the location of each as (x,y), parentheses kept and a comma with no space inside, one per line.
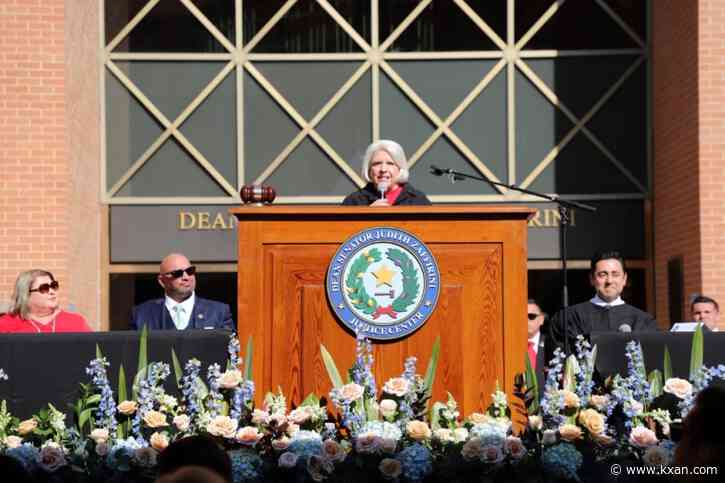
(99,435)
(281,444)
(679,387)
(230,379)
(472,450)
(491,454)
(397,386)
(51,458)
(223,426)
(570,432)
(351,392)
(390,468)
(515,447)
(367,443)
(260,417)
(248,435)
(13,441)
(388,408)
(332,450)
(182,422)
(287,460)
(159,441)
(642,437)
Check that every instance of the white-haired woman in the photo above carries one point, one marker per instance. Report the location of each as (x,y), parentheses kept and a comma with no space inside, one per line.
(385,168)
(36,309)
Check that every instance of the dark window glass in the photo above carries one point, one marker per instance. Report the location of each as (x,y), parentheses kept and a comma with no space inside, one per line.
(130,289)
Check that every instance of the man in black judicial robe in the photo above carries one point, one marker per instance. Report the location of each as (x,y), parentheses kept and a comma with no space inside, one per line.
(605,312)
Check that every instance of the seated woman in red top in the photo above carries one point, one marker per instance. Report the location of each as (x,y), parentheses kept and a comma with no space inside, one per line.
(35,307)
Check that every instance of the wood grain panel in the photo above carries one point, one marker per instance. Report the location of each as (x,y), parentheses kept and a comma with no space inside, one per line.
(480,317)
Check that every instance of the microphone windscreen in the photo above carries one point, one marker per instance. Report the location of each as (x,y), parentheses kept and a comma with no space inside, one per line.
(625,328)
(383,186)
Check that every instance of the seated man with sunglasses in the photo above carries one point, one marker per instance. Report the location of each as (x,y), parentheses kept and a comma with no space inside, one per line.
(36,308)
(180,309)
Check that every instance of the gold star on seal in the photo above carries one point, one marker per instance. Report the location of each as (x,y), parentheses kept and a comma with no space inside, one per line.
(384,275)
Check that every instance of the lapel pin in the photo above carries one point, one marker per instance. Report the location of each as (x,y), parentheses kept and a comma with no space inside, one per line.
(200,316)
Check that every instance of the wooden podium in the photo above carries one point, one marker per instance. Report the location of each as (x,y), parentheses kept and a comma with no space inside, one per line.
(284,254)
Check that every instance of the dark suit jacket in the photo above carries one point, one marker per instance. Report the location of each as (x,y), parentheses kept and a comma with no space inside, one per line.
(541,363)
(207,314)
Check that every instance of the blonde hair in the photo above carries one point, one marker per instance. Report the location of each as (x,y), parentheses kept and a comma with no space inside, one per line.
(21,294)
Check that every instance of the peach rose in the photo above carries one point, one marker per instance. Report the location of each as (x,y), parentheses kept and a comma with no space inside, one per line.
(159,441)
(182,422)
(99,435)
(570,432)
(155,419)
(27,426)
(127,407)
(571,400)
(281,444)
(351,392)
(679,387)
(478,418)
(592,421)
(397,386)
(230,379)
(248,435)
(13,441)
(472,450)
(390,468)
(223,426)
(642,437)
(388,408)
(418,430)
(603,439)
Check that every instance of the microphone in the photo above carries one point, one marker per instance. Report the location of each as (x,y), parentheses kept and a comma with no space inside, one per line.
(625,328)
(383,188)
(436,171)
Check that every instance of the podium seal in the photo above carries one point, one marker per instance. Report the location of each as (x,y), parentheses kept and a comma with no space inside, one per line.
(383,282)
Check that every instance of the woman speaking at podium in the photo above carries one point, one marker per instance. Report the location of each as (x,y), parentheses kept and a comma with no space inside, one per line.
(385,168)
(36,308)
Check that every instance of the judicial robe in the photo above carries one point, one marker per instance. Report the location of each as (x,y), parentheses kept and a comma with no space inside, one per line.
(586,317)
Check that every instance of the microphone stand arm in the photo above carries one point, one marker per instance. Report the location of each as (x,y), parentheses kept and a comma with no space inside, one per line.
(565,207)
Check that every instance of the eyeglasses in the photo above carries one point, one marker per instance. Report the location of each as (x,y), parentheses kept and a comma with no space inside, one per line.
(191,270)
(45,287)
(533,316)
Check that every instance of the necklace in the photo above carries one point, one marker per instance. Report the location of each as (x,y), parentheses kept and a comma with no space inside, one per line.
(37,328)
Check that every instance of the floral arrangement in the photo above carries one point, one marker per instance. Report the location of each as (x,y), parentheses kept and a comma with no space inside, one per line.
(390,431)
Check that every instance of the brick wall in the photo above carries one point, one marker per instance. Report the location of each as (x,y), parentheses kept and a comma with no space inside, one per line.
(50,212)
(35,181)
(712,146)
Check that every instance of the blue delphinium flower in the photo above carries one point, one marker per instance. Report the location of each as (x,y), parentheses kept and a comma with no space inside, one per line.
(246,466)
(637,377)
(562,461)
(305,443)
(362,370)
(215,398)
(584,379)
(190,391)
(416,462)
(702,379)
(121,454)
(27,454)
(410,368)
(552,400)
(106,411)
(233,350)
(351,419)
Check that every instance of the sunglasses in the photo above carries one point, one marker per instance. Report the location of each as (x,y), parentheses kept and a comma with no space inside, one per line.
(45,287)
(533,316)
(191,270)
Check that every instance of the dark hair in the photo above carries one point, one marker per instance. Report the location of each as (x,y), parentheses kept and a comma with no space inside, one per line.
(195,451)
(609,255)
(703,299)
(703,437)
(13,470)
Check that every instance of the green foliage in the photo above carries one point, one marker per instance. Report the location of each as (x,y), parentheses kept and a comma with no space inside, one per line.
(532,385)
(248,357)
(430,373)
(696,355)
(178,370)
(667,365)
(8,422)
(142,367)
(311,400)
(656,384)
(410,279)
(331,367)
(83,409)
(354,282)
